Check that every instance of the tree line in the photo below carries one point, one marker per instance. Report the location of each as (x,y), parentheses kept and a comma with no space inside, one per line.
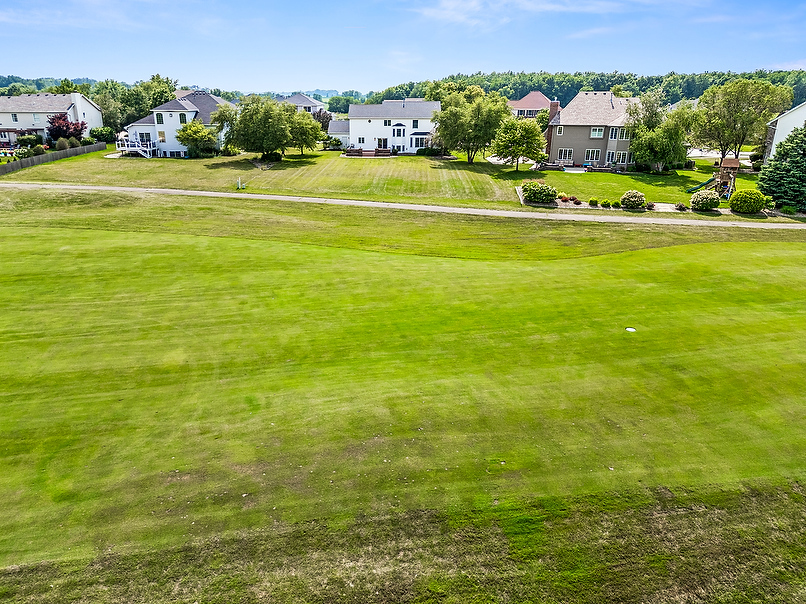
(565,86)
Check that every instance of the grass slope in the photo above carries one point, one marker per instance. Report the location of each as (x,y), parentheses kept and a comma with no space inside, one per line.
(325,174)
(245,416)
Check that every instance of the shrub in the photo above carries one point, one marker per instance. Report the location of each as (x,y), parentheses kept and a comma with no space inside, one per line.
(754,157)
(104,134)
(564,198)
(87,141)
(538,192)
(633,200)
(273,156)
(757,165)
(39,150)
(789,210)
(573,198)
(593,202)
(62,144)
(29,140)
(229,151)
(705,200)
(605,203)
(429,151)
(577,201)
(73,142)
(680,206)
(23,153)
(560,195)
(650,205)
(747,201)
(616,204)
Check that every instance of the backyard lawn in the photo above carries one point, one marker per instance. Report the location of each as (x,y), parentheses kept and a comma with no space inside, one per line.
(226,400)
(326,174)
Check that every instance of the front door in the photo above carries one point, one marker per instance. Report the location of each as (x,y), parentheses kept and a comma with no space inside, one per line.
(383,143)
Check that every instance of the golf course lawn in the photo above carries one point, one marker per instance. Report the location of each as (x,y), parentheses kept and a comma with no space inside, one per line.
(229,400)
(326,174)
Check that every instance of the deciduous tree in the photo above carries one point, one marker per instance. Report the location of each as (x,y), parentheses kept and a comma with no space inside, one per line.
(323,117)
(469,120)
(658,136)
(736,113)
(60,126)
(519,138)
(304,131)
(200,141)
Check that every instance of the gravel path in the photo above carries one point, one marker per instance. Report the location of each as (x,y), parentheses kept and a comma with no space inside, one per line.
(644,219)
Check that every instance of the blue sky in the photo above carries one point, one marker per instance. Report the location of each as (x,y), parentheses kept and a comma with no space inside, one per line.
(253,45)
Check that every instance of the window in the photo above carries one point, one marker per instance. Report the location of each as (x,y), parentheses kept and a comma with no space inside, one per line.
(621,157)
(360,140)
(521,113)
(36,118)
(14,117)
(145,137)
(624,134)
(419,141)
(559,130)
(160,119)
(398,132)
(387,122)
(611,155)
(597,132)
(613,134)
(3,134)
(183,119)
(592,154)
(308,109)
(161,136)
(415,123)
(565,154)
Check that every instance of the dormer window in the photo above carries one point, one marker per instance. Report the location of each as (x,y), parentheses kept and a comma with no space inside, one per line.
(183,119)
(160,119)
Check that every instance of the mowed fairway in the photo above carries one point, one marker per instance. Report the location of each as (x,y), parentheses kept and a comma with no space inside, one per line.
(170,382)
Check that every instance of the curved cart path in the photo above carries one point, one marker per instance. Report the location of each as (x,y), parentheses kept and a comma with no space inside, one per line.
(643,219)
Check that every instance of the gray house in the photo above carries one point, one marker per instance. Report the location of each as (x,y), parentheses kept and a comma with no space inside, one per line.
(590,131)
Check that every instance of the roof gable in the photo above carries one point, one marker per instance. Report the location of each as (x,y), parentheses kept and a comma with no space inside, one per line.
(302,99)
(533,100)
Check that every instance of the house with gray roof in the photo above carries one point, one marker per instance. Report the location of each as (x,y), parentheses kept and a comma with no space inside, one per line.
(304,103)
(29,113)
(155,134)
(402,125)
(590,131)
(340,129)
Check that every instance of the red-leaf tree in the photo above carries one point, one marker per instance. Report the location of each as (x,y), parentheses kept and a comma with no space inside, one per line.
(60,126)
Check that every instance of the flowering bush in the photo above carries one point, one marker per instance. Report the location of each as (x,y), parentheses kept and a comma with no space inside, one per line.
(538,192)
(705,200)
(633,200)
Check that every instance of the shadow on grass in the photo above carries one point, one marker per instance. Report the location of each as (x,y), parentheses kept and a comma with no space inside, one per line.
(289,162)
(244,165)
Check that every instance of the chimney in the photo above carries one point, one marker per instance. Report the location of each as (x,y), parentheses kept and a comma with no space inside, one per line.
(554,109)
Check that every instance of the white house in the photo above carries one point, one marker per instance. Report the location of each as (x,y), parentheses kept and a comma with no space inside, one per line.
(782,126)
(404,126)
(340,129)
(155,134)
(304,103)
(29,113)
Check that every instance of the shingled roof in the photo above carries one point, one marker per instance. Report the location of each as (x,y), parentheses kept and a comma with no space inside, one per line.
(533,100)
(203,103)
(43,102)
(395,109)
(594,109)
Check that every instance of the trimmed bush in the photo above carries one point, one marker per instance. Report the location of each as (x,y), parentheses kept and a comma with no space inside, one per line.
(633,200)
(560,195)
(39,150)
(754,157)
(705,200)
(73,142)
(273,156)
(757,165)
(62,144)
(789,210)
(87,141)
(680,207)
(24,153)
(605,203)
(593,202)
(747,201)
(616,204)
(104,134)
(29,140)
(430,151)
(650,205)
(538,192)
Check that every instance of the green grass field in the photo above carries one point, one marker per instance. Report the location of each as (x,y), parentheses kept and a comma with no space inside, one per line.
(325,174)
(240,401)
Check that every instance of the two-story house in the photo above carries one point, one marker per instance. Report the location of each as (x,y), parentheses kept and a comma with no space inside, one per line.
(401,125)
(304,103)
(29,113)
(782,126)
(155,134)
(530,105)
(590,131)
